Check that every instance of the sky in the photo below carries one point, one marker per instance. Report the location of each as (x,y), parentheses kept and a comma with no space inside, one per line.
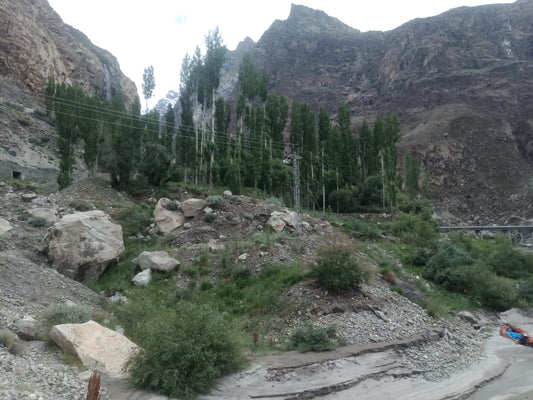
(141,33)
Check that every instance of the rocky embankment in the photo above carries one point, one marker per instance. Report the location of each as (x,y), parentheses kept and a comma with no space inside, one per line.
(383,329)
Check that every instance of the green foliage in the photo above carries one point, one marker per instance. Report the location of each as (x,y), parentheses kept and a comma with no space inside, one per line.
(267,238)
(507,261)
(156,163)
(440,266)
(148,84)
(210,217)
(63,314)
(417,229)
(38,222)
(525,291)
(336,269)
(214,200)
(343,200)
(314,338)
(7,338)
(497,293)
(356,225)
(81,205)
(184,349)
(134,219)
(259,294)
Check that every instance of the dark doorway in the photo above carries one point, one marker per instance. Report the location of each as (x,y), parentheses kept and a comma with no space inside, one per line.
(17,175)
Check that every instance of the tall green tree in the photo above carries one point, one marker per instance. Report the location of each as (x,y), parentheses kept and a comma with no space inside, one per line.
(148,84)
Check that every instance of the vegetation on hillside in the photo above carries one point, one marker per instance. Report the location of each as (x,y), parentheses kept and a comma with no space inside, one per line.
(194,334)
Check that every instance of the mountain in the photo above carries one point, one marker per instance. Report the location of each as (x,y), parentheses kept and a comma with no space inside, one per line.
(460,82)
(36,45)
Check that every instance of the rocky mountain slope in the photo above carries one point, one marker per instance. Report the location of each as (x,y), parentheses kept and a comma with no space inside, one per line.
(36,45)
(461,83)
(374,320)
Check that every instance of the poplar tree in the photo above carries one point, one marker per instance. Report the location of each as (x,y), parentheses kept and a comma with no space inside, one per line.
(148,84)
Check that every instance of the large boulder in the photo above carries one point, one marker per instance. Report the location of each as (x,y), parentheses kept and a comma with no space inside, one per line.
(157,260)
(97,347)
(82,245)
(5,226)
(192,207)
(167,220)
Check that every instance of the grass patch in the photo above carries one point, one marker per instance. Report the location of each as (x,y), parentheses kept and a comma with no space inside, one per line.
(135,219)
(62,314)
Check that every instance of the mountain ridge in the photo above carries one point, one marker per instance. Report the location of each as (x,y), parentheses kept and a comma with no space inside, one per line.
(476,61)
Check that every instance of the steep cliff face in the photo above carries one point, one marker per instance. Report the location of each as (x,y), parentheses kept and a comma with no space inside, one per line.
(461,83)
(36,45)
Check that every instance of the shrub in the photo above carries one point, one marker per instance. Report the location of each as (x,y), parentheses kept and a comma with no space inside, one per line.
(135,219)
(497,293)
(63,314)
(214,201)
(210,217)
(81,205)
(421,230)
(173,205)
(7,338)
(525,291)
(510,262)
(184,351)
(314,338)
(448,257)
(336,269)
(38,222)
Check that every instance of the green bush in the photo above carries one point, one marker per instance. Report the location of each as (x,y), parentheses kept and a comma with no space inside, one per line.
(314,338)
(63,314)
(497,293)
(525,291)
(7,337)
(420,229)
(135,219)
(510,262)
(184,351)
(336,269)
(38,222)
(448,257)
(214,201)
(210,217)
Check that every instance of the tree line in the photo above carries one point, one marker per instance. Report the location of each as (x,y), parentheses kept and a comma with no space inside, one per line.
(235,145)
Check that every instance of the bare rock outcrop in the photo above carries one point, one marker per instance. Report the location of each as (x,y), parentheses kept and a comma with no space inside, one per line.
(156,260)
(97,347)
(192,207)
(166,219)
(82,245)
(35,45)
(5,226)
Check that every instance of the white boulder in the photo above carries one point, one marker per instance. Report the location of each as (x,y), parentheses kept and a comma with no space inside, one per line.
(82,245)
(157,260)
(143,278)
(5,226)
(167,220)
(97,347)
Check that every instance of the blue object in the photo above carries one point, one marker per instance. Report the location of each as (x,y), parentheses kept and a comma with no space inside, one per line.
(514,335)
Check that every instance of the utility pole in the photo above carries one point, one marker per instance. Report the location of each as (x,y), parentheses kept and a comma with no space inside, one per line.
(296,175)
